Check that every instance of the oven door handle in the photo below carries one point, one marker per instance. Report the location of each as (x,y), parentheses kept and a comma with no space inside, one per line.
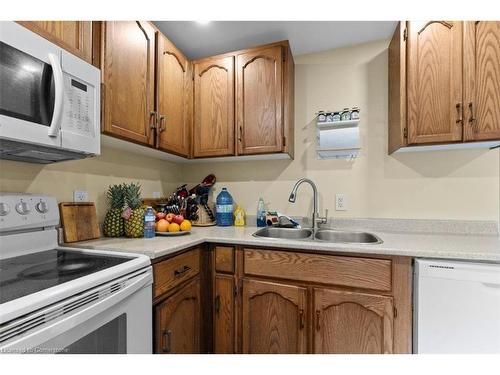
(57,72)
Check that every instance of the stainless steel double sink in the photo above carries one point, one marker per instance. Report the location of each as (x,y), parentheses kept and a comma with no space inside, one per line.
(324,235)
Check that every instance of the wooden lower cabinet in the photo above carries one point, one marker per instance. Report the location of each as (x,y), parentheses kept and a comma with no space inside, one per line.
(274,318)
(177,321)
(352,323)
(224,314)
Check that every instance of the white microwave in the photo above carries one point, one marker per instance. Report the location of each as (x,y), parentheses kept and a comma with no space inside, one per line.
(49,100)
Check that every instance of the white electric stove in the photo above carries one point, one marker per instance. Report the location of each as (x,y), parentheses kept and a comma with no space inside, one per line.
(62,300)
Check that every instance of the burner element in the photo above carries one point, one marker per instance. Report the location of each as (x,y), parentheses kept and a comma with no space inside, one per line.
(48,271)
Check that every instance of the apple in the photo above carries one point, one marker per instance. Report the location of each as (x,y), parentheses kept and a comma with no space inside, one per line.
(170,217)
(160,215)
(178,219)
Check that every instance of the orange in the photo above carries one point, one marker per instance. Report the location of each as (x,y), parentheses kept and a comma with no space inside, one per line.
(162,225)
(173,227)
(185,226)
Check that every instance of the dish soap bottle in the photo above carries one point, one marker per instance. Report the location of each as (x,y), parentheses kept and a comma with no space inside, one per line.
(261,213)
(239,217)
(224,209)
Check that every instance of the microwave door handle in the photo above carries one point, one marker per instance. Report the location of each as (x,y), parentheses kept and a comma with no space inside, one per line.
(59,95)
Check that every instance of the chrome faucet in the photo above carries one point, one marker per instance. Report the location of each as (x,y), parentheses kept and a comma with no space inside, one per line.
(316,219)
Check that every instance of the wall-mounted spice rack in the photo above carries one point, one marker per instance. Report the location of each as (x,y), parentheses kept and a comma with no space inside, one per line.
(337,134)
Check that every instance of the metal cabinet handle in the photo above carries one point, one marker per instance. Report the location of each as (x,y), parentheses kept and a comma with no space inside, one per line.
(217,304)
(152,116)
(302,322)
(181,271)
(167,339)
(161,128)
(240,133)
(471,110)
(458,106)
(318,315)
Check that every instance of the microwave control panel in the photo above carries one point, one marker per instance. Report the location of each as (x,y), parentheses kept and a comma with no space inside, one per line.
(78,106)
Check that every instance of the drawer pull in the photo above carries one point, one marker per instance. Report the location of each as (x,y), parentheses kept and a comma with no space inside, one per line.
(318,326)
(181,271)
(167,339)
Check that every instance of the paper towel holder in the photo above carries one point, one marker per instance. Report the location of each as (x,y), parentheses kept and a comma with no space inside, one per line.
(337,139)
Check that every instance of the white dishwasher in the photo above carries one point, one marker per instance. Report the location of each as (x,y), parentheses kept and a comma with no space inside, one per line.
(456,307)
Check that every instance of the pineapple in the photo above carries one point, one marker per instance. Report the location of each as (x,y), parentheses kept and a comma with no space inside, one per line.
(113,222)
(133,211)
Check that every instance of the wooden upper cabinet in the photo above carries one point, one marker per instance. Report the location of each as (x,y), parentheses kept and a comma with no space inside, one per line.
(74,36)
(173,94)
(177,321)
(348,323)
(128,80)
(259,100)
(434,74)
(274,318)
(482,80)
(214,107)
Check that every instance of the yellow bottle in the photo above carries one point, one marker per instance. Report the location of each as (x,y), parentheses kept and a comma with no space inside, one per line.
(239,217)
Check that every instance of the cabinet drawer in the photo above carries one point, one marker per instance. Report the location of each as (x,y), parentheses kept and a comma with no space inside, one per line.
(353,272)
(224,259)
(171,272)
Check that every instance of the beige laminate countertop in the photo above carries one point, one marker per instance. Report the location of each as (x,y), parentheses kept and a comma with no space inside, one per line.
(421,245)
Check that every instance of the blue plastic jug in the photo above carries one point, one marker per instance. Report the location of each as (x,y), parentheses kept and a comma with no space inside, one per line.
(224,209)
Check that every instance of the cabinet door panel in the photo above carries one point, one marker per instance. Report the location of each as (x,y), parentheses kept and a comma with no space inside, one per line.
(128,71)
(273,318)
(74,36)
(172,97)
(224,314)
(434,82)
(482,80)
(177,321)
(259,104)
(214,107)
(348,322)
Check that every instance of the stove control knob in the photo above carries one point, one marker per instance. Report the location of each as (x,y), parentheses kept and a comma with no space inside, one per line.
(4,209)
(23,208)
(42,207)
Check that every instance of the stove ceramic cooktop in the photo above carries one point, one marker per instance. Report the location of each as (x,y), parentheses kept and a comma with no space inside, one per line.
(27,274)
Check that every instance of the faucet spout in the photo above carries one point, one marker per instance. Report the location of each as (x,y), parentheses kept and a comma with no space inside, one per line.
(315,215)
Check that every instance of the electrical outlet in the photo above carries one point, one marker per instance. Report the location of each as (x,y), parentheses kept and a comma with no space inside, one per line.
(80,196)
(340,202)
(156,194)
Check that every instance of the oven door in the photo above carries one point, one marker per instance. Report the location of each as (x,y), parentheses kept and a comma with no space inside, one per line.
(32,89)
(115,318)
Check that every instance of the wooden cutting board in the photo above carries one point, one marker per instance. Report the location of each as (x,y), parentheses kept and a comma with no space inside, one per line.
(79,221)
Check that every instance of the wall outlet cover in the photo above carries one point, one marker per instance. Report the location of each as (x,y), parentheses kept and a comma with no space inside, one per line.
(156,194)
(80,196)
(340,202)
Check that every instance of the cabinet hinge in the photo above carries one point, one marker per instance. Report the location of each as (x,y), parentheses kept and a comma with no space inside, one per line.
(405,34)
(405,132)
(395,312)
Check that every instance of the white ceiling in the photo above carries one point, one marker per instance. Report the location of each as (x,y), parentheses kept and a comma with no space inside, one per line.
(198,40)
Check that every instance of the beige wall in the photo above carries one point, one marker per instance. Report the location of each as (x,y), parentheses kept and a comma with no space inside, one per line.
(93,175)
(439,185)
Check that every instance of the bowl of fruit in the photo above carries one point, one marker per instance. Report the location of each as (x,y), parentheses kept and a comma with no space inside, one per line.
(171,224)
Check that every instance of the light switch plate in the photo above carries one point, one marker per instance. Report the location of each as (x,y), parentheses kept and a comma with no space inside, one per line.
(340,202)
(80,196)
